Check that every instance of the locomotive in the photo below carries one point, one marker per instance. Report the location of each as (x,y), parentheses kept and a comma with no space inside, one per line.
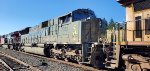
(69,37)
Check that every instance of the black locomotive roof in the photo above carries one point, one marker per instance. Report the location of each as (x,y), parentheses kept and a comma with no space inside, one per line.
(77,10)
(24,31)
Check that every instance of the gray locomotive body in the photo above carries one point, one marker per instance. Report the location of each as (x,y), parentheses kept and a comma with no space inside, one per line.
(73,28)
(67,37)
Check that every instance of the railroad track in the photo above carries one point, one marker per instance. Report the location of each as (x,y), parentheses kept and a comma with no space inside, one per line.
(9,63)
(84,67)
(45,60)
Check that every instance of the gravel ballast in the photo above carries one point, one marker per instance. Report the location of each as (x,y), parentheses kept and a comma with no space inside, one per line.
(40,63)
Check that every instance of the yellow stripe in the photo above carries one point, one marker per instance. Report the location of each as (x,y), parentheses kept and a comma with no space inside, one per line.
(120,43)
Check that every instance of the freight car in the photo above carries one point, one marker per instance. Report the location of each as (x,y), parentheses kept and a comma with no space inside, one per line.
(13,39)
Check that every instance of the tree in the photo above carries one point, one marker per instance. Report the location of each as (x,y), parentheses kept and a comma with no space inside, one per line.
(103,27)
(111,24)
(104,24)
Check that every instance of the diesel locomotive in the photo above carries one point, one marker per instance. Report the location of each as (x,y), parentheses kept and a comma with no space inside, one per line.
(68,37)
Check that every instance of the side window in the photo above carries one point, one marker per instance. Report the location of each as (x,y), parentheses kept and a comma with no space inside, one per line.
(65,19)
(138,28)
(147,26)
(44,24)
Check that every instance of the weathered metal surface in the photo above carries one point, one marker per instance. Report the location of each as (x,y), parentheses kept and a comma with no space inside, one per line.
(40,45)
(28,45)
(66,29)
(89,30)
(35,50)
(5,46)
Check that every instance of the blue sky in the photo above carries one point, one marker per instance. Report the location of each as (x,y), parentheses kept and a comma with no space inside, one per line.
(18,14)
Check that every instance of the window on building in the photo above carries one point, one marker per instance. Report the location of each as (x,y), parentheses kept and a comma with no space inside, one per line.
(138,28)
(147,26)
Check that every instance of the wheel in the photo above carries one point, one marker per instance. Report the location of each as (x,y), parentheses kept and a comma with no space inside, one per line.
(78,59)
(55,57)
(63,55)
(66,59)
(47,51)
(136,67)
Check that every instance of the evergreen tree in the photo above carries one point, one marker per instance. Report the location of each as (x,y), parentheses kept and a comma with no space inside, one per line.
(111,25)
(104,23)
(103,27)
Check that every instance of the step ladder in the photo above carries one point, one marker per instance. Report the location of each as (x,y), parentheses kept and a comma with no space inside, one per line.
(87,53)
(112,60)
